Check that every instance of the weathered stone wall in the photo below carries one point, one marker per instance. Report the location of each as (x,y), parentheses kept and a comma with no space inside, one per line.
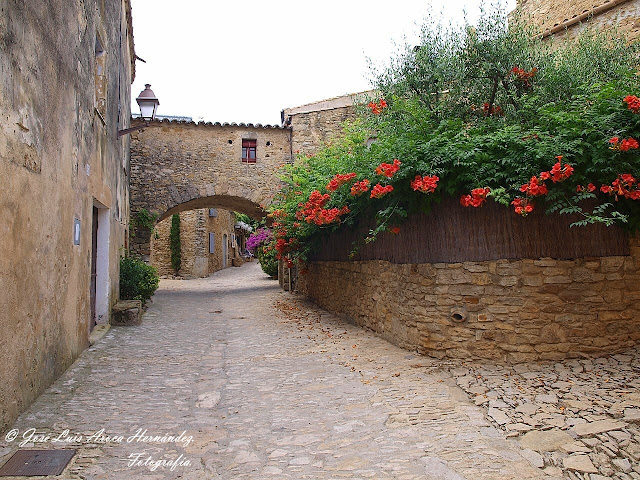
(513,310)
(550,14)
(315,124)
(180,166)
(195,226)
(59,158)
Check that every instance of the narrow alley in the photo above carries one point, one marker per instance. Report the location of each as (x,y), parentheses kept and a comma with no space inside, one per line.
(229,377)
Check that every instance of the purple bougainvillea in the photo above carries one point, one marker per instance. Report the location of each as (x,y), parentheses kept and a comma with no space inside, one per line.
(260,237)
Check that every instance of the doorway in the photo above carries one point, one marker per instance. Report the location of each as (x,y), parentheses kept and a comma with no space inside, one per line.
(99,284)
(94,267)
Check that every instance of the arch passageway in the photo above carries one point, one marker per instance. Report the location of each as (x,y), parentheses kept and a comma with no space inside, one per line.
(178,166)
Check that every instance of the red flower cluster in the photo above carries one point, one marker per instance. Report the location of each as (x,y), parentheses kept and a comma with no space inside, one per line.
(379,191)
(591,187)
(623,145)
(376,108)
(278,213)
(395,230)
(426,184)
(558,173)
(524,76)
(633,103)
(624,186)
(332,215)
(536,186)
(314,212)
(387,169)
(339,180)
(478,197)
(522,206)
(359,188)
(495,110)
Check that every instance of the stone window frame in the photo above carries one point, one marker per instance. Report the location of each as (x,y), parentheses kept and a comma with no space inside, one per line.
(249,150)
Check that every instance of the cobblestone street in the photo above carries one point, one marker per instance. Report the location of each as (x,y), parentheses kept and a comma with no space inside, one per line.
(229,377)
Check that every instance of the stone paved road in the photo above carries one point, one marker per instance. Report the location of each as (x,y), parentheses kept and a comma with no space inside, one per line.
(263,385)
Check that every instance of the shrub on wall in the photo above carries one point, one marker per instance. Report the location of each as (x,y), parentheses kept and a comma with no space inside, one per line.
(138,281)
(478,113)
(174,243)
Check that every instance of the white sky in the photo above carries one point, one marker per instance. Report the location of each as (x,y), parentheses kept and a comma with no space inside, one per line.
(245,61)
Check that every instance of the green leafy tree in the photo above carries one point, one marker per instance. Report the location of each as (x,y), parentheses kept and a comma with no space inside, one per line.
(482,113)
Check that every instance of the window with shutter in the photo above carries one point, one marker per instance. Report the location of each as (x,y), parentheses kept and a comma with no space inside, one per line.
(249,151)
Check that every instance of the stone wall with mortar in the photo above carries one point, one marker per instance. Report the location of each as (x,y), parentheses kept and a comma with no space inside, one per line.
(547,14)
(195,226)
(181,166)
(315,124)
(60,156)
(512,310)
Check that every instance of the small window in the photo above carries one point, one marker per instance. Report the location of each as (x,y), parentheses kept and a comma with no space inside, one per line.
(213,212)
(249,151)
(212,242)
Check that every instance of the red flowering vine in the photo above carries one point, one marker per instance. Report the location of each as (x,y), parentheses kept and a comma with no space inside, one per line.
(536,186)
(379,191)
(523,76)
(426,184)
(359,188)
(633,103)
(558,173)
(625,186)
(623,145)
(314,211)
(522,206)
(338,180)
(376,108)
(495,110)
(591,188)
(395,230)
(388,169)
(477,198)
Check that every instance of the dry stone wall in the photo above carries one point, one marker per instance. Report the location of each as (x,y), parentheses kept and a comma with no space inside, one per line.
(513,310)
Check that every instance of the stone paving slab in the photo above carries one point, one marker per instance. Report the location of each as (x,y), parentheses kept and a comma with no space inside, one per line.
(579,415)
(229,377)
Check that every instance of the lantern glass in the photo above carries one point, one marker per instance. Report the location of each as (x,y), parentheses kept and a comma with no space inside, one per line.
(148,103)
(147,109)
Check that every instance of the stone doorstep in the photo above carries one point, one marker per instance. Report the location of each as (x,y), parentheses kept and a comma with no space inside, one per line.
(127,312)
(98,332)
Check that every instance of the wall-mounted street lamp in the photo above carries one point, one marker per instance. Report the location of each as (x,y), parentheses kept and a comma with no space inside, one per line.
(148,104)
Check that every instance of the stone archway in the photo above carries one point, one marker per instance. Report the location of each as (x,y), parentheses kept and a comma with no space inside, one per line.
(178,166)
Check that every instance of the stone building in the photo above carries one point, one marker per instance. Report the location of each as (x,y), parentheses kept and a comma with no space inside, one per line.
(211,239)
(183,166)
(65,90)
(561,19)
(315,124)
